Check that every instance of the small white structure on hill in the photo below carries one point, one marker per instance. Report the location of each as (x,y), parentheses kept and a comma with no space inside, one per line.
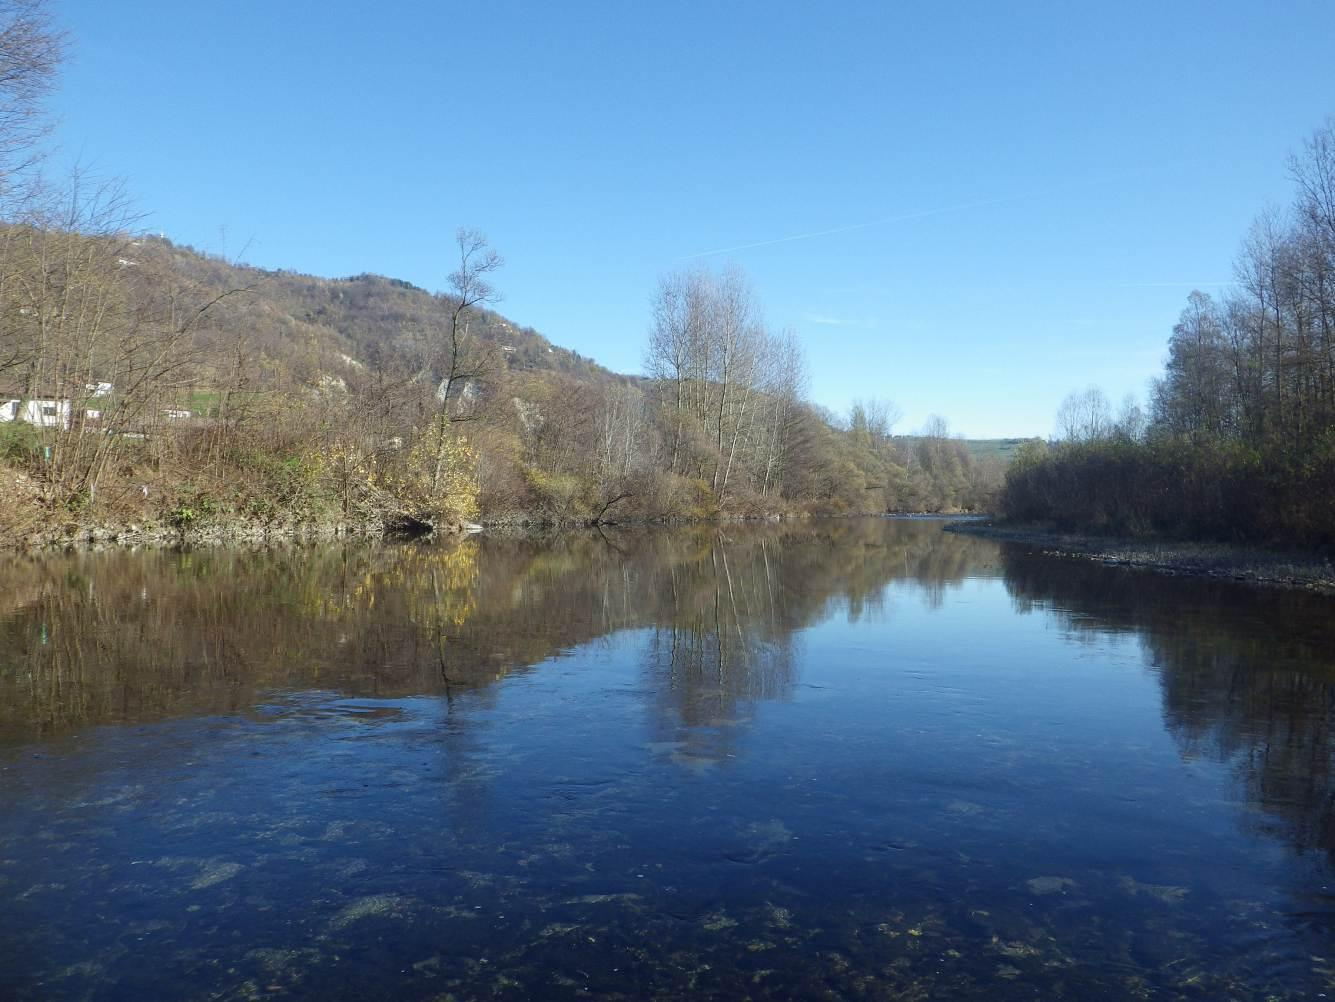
(39,411)
(49,408)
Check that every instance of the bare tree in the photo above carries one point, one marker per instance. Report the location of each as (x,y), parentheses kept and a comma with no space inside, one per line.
(1132,422)
(31,49)
(1314,173)
(1084,416)
(1192,399)
(882,416)
(30,52)
(676,340)
(727,389)
(787,386)
(464,362)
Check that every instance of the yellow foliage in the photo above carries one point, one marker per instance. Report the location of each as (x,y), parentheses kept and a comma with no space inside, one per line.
(434,475)
(560,491)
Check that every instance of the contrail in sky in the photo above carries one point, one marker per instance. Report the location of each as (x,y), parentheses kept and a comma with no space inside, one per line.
(1075,184)
(903,217)
(1172,285)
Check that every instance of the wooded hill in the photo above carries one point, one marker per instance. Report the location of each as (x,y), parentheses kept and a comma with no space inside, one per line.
(321,327)
(278,396)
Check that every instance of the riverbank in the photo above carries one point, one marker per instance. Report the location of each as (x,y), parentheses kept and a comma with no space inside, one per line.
(227,531)
(31,522)
(1249,565)
(239,514)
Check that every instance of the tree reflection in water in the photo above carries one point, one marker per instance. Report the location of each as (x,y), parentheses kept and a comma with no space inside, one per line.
(1235,688)
(94,638)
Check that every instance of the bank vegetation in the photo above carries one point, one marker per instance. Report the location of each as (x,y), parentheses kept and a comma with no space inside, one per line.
(1239,441)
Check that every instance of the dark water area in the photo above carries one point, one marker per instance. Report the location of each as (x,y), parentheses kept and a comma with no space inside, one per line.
(860,759)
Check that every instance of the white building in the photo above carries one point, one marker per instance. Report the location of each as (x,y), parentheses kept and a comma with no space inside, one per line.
(42,412)
(47,408)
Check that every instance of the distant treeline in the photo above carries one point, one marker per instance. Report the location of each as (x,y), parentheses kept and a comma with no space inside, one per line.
(1240,439)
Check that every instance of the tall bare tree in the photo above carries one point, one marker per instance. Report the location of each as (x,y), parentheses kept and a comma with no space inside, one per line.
(31,48)
(1084,416)
(465,360)
(677,343)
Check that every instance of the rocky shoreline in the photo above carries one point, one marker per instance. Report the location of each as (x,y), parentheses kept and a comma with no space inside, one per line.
(1249,565)
(222,532)
(240,530)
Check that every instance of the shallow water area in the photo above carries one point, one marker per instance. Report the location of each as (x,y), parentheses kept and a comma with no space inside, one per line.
(854,759)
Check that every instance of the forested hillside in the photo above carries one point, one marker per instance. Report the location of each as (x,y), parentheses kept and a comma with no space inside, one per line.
(359,319)
(199,389)
(1240,441)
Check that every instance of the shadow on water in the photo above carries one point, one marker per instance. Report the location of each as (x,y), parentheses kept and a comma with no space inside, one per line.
(848,759)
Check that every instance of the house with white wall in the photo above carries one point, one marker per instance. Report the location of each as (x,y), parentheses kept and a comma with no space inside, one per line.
(47,408)
(44,412)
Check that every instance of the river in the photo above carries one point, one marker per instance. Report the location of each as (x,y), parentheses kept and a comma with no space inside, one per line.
(851,759)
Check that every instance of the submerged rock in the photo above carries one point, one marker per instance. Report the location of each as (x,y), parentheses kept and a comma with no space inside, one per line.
(1166,893)
(371,906)
(1049,885)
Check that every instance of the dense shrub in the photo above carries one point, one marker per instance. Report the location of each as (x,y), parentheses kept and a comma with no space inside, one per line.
(1170,487)
(20,443)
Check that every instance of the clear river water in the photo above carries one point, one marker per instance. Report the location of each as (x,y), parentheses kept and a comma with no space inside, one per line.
(853,759)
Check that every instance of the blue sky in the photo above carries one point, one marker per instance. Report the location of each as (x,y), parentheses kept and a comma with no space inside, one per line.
(970,209)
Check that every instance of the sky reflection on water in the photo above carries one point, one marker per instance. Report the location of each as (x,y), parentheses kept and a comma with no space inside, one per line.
(861,759)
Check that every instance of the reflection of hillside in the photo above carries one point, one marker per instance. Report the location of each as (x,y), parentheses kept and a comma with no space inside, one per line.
(91,638)
(1248,677)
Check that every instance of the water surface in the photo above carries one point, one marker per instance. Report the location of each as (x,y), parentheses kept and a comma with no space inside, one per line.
(858,759)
